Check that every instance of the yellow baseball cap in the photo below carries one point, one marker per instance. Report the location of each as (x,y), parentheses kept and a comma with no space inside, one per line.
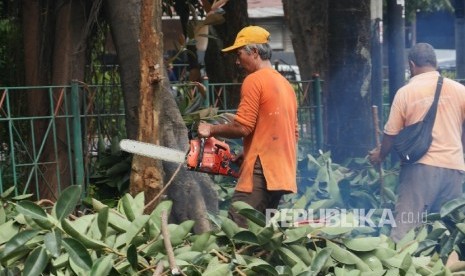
(249,35)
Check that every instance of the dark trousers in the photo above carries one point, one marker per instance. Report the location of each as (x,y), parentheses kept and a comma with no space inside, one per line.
(423,189)
(260,198)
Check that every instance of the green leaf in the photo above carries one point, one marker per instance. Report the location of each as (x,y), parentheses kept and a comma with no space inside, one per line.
(115,149)
(8,230)
(424,245)
(7,193)
(84,239)
(181,231)
(461,227)
(451,206)
(2,215)
(132,255)
(265,236)
(362,244)
(127,202)
(61,261)
(119,168)
(118,222)
(78,253)
(392,272)
(295,234)
(217,270)
(319,261)
(102,266)
(136,226)
(383,253)
(22,197)
(17,242)
(229,227)
(36,262)
(201,242)
(102,222)
(189,256)
(289,258)
(343,271)
(284,270)
(155,216)
(52,241)
(335,231)
(35,212)
(346,257)
(265,269)
(372,261)
(341,255)
(31,209)
(250,213)
(303,252)
(246,237)
(67,201)
(407,264)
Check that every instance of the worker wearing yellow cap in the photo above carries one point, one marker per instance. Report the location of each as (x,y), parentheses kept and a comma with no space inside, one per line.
(266,119)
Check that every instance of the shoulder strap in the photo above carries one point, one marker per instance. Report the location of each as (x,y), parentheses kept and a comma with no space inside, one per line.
(431,115)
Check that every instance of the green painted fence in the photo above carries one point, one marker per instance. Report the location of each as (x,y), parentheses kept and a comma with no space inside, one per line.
(44,154)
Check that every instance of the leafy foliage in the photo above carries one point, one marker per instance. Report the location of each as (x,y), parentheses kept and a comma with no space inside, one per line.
(126,241)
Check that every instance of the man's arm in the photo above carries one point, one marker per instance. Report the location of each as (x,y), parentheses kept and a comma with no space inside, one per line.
(463,137)
(377,155)
(232,130)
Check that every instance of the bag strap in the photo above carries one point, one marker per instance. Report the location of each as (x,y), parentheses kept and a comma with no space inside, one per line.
(431,115)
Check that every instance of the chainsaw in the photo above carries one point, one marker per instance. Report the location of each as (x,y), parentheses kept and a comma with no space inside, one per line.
(208,155)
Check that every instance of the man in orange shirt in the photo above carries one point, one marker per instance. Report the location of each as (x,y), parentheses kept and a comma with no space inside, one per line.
(266,119)
(438,176)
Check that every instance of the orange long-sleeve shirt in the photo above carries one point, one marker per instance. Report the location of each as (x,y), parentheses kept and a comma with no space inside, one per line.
(268,108)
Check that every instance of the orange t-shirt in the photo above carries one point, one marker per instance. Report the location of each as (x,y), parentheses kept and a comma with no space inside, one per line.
(268,108)
(412,102)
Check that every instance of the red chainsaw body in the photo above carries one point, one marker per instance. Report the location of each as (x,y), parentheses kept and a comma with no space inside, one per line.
(210,155)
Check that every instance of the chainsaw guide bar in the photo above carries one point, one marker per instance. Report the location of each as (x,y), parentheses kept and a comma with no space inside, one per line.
(153,151)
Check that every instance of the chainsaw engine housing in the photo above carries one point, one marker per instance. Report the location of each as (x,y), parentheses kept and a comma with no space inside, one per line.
(210,155)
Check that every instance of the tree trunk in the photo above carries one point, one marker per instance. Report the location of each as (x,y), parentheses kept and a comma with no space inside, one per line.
(349,100)
(65,62)
(308,23)
(124,18)
(193,194)
(182,9)
(221,67)
(147,173)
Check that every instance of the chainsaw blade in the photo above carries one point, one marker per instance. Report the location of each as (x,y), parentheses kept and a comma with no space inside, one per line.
(152,151)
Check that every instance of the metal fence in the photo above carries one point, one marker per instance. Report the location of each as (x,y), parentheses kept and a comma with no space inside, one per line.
(44,154)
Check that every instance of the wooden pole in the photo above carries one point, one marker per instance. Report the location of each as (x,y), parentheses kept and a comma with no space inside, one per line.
(374,110)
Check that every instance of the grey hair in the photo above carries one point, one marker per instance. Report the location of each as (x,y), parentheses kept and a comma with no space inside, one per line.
(422,54)
(264,50)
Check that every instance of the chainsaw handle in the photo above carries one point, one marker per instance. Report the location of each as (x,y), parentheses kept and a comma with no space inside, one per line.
(193,133)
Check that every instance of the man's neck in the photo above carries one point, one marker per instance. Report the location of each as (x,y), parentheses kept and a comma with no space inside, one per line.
(425,69)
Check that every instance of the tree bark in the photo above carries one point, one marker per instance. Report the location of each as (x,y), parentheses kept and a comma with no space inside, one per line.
(124,18)
(308,23)
(221,67)
(147,173)
(193,194)
(349,100)
(65,62)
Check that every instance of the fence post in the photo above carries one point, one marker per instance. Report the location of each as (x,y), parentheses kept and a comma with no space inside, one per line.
(318,111)
(206,102)
(77,135)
